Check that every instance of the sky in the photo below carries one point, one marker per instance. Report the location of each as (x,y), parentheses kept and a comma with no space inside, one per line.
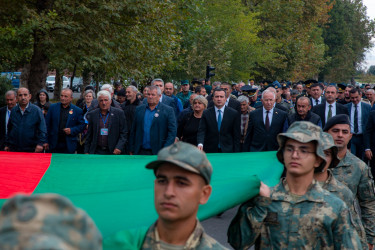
(370,55)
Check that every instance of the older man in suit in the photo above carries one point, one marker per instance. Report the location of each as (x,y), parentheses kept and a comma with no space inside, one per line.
(330,107)
(264,125)
(154,126)
(358,114)
(11,102)
(64,122)
(219,129)
(107,132)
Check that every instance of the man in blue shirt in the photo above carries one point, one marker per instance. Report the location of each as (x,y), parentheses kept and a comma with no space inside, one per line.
(154,126)
(27,130)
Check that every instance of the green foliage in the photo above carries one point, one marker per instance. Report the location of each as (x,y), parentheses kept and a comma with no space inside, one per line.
(371,70)
(5,85)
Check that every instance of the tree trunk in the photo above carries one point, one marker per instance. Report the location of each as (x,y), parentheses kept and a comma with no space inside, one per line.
(57,90)
(25,73)
(73,75)
(38,68)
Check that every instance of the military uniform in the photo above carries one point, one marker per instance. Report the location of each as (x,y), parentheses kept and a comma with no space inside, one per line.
(198,240)
(343,192)
(316,220)
(287,105)
(355,174)
(184,97)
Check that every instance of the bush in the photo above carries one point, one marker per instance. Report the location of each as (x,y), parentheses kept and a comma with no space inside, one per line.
(5,85)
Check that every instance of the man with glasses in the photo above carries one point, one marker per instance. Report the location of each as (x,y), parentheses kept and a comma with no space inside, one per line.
(297,213)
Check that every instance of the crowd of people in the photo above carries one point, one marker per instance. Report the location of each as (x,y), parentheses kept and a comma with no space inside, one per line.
(325,199)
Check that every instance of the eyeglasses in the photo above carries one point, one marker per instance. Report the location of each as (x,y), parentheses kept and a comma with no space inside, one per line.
(300,151)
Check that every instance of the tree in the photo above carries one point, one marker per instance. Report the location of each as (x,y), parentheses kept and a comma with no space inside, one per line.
(371,70)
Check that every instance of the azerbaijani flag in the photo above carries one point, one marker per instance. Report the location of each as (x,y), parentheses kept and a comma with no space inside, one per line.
(117,191)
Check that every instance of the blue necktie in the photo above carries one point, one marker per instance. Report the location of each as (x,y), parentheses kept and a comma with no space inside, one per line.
(219,120)
(356,120)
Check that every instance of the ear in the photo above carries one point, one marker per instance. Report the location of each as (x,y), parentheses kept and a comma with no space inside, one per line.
(318,161)
(205,194)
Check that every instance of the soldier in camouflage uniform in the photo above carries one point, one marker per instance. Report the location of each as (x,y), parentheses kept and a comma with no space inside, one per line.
(47,221)
(297,213)
(183,175)
(354,173)
(330,183)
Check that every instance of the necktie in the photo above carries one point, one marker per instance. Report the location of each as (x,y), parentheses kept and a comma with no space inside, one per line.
(267,121)
(356,120)
(316,101)
(329,112)
(219,120)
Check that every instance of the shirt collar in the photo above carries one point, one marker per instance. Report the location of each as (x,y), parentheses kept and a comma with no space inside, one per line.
(25,108)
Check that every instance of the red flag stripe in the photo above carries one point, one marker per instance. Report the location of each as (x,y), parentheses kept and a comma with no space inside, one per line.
(21,172)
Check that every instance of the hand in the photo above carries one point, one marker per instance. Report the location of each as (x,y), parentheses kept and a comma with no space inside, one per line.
(46,146)
(176,139)
(67,131)
(7,149)
(200,147)
(368,154)
(116,151)
(38,149)
(264,190)
(130,153)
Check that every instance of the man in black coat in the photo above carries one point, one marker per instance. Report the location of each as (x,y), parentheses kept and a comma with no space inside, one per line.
(229,102)
(264,125)
(330,107)
(11,101)
(219,128)
(369,141)
(107,132)
(303,107)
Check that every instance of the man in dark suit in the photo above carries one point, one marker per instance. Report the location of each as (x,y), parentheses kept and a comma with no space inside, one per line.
(169,101)
(264,125)
(154,126)
(219,129)
(316,91)
(64,122)
(107,132)
(330,107)
(229,102)
(11,101)
(358,115)
(369,140)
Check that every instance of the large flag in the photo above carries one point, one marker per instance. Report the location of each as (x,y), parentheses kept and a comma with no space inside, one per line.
(117,191)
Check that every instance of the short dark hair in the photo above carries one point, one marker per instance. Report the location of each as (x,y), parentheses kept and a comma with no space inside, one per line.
(316,85)
(333,86)
(355,90)
(217,90)
(198,89)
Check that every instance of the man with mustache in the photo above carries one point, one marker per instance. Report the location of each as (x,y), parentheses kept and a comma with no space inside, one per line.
(183,175)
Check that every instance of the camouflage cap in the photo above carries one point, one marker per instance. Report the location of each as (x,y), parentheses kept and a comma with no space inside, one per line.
(186,156)
(46,221)
(304,132)
(329,143)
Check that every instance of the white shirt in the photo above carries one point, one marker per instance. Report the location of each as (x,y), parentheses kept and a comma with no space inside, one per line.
(270,115)
(227,102)
(320,101)
(333,108)
(22,112)
(359,110)
(217,113)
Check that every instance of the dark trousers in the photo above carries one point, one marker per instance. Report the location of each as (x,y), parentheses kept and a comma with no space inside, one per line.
(144,151)
(357,147)
(102,151)
(60,148)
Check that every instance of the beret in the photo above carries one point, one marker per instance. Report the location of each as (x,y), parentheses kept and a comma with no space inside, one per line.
(337,119)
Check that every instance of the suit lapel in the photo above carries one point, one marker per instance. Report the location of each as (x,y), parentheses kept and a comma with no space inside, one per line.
(212,115)
(58,114)
(156,115)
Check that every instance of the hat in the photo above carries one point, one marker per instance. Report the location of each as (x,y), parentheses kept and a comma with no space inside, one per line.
(294,92)
(303,132)
(196,82)
(89,87)
(266,83)
(341,87)
(310,82)
(329,143)
(185,82)
(337,119)
(248,90)
(276,85)
(186,156)
(46,221)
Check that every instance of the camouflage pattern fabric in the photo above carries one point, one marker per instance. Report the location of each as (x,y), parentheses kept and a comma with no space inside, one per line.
(316,220)
(343,192)
(356,175)
(47,221)
(198,240)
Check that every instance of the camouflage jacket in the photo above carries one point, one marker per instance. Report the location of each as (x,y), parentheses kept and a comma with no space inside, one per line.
(355,174)
(198,240)
(344,193)
(316,220)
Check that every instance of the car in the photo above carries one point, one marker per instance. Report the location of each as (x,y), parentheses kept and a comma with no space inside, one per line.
(77,84)
(50,83)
